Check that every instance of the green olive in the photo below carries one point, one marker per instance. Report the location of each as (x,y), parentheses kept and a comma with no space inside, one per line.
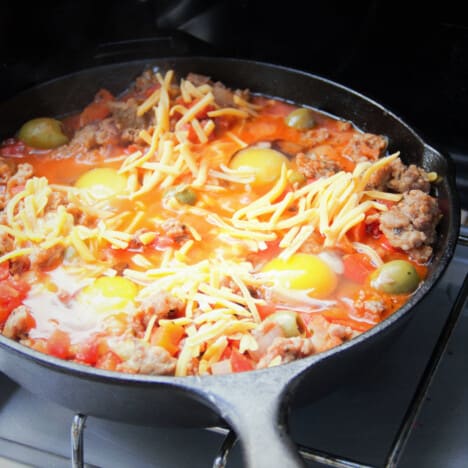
(186,196)
(287,320)
(300,119)
(43,133)
(395,277)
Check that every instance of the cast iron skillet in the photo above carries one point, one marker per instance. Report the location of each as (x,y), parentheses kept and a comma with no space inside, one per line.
(254,404)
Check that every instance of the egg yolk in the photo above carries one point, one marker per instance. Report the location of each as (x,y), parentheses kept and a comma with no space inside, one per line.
(109,294)
(102,182)
(305,272)
(264,163)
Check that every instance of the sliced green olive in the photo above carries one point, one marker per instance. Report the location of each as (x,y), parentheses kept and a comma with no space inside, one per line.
(43,133)
(287,320)
(300,119)
(186,196)
(395,277)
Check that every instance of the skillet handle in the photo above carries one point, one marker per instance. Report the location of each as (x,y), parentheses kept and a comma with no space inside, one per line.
(258,414)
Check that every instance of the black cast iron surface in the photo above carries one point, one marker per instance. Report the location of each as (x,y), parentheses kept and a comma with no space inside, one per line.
(255,404)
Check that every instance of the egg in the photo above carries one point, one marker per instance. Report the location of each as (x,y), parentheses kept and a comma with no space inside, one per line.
(302,272)
(109,294)
(264,163)
(85,307)
(102,182)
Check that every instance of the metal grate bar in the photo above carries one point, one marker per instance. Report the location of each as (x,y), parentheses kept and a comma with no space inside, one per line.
(77,436)
(420,395)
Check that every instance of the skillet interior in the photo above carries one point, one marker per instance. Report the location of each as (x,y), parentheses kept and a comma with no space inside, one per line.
(163,400)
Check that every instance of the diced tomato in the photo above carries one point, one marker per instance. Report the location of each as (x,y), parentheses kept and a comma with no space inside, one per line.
(108,361)
(88,352)
(272,251)
(203,113)
(71,124)
(279,108)
(388,203)
(224,122)
(226,353)
(12,148)
(354,324)
(239,362)
(29,322)
(98,109)
(12,294)
(17,189)
(385,243)
(342,317)
(150,90)
(58,344)
(168,336)
(358,232)
(131,149)
(191,134)
(373,229)
(4,270)
(264,310)
(357,267)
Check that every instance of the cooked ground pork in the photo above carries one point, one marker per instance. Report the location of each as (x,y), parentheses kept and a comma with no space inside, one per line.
(48,258)
(11,177)
(145,81)
(16,327)
(176,230)
(289,349)
(223,95)
(313,167)
(7,169)
(23,172)
(80,217)
(289,148)
(6,243)
(122,127)
(316,136)
(125,114)
(411,224)
(126,119)
(325,335)
(398,177)
(365,146)
(141,358)
(162,305)
(93,135)
(197,79)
